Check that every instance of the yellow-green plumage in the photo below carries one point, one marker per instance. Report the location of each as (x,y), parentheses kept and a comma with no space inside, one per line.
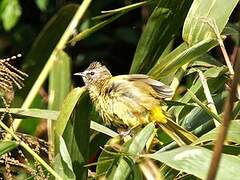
(131,100)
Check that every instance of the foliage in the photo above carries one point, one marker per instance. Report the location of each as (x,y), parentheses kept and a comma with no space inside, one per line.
(172,41)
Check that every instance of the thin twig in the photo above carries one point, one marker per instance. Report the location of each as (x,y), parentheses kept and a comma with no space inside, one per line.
(212,24)
(207,109)
(207,93)
(225,124)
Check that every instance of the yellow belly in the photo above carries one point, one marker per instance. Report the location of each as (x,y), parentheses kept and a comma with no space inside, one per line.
(157,115)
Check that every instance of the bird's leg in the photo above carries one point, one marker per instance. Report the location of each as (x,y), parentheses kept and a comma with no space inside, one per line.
(124,133)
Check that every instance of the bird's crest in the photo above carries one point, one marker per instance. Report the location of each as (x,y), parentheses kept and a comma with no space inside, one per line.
(94,65)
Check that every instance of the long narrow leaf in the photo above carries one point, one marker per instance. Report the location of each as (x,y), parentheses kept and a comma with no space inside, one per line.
(163,24)
(196,161)
(77,135)
(124,166)
(195,29)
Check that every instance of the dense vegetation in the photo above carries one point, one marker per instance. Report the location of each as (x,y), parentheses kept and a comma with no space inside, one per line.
(50,128)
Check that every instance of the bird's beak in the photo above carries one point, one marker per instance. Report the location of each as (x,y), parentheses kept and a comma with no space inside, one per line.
(80,74)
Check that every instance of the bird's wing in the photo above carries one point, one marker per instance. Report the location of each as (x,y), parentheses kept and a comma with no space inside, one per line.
(163,90)
(130,101)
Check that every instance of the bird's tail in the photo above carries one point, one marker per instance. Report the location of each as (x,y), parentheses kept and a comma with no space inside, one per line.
(177,133)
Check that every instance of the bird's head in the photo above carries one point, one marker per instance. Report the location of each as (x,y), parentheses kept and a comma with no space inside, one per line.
(95,75)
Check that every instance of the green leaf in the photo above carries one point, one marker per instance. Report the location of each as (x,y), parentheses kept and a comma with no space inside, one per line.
(170,103)
(181,55)
(204,107)
(77,133)
(125,165)
(196,160)
(35,113)
(67,109)
(53,115)
(215,80)
(10,13)
(162,26)
(233,31)
(105,163)
(84,34)
(121,11)
(7,146)
(100,128)
(59,86)
(42,4)
(236,110)
(128,7)
(199,40)
(206,61)
(63,163)
(29,125)
(198,120)
(233,134)
(59,81)
(195,29)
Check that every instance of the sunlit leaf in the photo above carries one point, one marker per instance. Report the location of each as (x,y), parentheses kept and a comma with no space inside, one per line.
(126,165)
(163,24)
(10,13)
(195,29)
(42,4)
(77,131)
(196,160)
(67,109)
(63,163)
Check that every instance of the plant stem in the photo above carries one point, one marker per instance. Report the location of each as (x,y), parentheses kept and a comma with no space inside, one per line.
(207,109)
(209,98)
(225,124)
(212,24)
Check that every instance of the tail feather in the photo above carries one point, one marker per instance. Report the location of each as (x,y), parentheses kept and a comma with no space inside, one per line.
(177,133)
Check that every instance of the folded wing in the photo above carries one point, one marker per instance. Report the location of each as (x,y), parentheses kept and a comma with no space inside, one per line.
(163,90)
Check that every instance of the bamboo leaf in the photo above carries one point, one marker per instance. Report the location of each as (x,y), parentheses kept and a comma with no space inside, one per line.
(204,107)
(77,132)
(215,81)
(128,7)
(195,29)
(35,113)
(233,134)
(115,13)
(53,115)
(67,109)
(87,32)
(59,81)
(164,23)
(125,165)
(63,162)
(196,160)
(59,86)
(180,56)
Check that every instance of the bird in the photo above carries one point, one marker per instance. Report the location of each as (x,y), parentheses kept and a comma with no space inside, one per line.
(131,100)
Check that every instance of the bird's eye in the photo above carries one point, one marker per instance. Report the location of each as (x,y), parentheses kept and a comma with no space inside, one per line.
(91,73)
